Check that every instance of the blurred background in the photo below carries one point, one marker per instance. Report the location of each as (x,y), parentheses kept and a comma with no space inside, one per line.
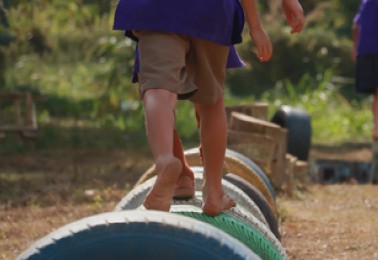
(79,71)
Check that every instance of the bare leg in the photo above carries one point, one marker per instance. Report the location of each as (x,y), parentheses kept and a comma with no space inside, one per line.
(185,183)
(159,105)
(213,132)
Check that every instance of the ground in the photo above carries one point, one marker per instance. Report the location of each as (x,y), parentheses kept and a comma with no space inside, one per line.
(42,191)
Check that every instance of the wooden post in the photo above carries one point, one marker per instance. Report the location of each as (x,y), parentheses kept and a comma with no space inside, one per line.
(30,110)
(259,148)
(245,123)
(301,171)
(17,111)
(24,119)
(258,110)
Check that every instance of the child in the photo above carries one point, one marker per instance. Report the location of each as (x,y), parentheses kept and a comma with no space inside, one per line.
(365,50)
(184,48)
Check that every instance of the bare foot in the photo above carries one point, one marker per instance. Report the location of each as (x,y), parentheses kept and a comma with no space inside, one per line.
(213,206)
(185,185)
(160,195)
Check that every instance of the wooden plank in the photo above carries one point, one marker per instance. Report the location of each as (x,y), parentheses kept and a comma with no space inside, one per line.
(301,169)
(279,176)
(30,113)
(245,123)
(247,137)
(11,95)
(259,148)
(290,164)
(17,111)
(257,110)
(260,111)
(29,134)
(243,109)
(16,128)
(25,119)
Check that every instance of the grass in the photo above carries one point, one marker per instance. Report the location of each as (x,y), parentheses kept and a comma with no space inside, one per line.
(68,53)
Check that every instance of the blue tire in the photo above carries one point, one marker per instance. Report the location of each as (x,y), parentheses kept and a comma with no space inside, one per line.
(138,235)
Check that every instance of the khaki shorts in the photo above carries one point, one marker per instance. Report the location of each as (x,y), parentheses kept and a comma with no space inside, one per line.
(192,68)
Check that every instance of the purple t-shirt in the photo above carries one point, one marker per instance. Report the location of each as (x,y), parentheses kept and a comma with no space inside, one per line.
(367,21)
(220,21)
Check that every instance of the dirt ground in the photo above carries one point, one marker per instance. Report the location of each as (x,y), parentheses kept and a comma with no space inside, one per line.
(42,191)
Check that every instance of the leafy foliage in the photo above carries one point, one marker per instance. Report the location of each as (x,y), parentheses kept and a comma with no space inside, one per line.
(68,52)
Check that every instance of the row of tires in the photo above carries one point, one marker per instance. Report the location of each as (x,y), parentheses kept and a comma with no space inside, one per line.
(248,231)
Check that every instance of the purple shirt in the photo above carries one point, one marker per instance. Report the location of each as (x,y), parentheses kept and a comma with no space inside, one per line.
(220,21)
(367,21)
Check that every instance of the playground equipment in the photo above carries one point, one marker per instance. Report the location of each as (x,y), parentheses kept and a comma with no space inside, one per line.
(248,231)
(138,235)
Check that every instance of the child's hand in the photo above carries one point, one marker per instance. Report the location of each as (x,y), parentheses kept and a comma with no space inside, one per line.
(294,15)
(263,44)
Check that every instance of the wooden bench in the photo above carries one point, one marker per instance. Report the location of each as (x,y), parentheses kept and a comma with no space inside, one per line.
(18,114)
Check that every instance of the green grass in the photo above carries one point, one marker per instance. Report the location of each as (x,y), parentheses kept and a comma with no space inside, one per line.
(67,52)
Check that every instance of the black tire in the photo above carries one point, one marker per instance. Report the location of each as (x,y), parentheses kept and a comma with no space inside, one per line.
(259,199)
(298,123)
(138,235)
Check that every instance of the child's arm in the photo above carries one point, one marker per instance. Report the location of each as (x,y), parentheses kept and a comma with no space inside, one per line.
(256,31)
(294,15)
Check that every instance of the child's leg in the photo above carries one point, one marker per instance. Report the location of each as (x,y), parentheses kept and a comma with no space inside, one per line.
(185,183)
(213,132)
(159,107)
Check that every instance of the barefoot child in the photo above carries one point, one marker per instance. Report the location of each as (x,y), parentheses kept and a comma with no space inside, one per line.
(183,52)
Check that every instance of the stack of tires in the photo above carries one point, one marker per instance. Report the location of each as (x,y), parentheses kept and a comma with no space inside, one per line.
(247,231)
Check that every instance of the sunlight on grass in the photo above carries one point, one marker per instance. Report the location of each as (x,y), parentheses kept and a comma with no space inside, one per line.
(334,119)
(68,51)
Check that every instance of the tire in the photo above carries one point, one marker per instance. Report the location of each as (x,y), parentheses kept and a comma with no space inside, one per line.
(138,235)
(255,195)
(249,231)
(298,124)
(134,199)
(253,166)
(238,167)
(148,174)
